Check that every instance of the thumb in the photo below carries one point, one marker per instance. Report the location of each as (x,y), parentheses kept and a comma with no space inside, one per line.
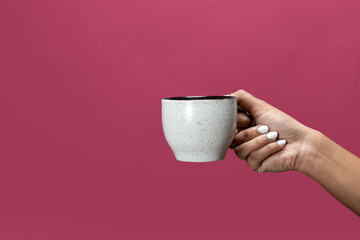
(247,101)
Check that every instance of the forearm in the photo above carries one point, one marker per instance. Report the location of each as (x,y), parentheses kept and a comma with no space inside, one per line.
(336,169)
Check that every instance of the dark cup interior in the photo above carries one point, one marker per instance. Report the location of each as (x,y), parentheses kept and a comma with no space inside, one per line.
(199,98)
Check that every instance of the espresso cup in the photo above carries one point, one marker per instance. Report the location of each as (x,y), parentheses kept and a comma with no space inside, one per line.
(199,128)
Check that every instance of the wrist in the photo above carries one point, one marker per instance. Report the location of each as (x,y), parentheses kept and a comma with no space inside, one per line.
(309,154)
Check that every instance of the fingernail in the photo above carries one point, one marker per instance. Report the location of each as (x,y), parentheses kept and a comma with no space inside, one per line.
(272,135)
(281,142)
(263,129)
(259,170)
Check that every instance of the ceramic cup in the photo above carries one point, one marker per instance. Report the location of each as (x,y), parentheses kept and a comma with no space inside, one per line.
(201,128)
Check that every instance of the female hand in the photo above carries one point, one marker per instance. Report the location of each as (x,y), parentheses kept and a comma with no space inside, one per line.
(276,142)
(305,150)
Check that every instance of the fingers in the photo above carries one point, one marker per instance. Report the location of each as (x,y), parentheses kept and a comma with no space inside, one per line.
(246,100)
(243,150)
(255,158)
(243,120)
(277,162)
(257,145)
(248,134)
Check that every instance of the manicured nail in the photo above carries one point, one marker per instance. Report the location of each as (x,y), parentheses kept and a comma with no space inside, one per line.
(281,142)
(263,129)
(272,135)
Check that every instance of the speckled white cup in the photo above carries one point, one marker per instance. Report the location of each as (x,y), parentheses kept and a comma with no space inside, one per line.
(199,129)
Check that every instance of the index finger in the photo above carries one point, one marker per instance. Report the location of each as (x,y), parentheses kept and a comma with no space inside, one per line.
(243,120)
(246,100)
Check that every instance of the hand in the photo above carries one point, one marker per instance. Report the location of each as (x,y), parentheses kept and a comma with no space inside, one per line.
(299,148)
(276,142)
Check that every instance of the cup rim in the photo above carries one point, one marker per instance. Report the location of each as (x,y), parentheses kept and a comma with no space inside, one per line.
(196,98)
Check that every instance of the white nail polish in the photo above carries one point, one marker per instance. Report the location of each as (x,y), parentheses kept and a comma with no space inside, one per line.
(281,142)
(263,129)
(272,135)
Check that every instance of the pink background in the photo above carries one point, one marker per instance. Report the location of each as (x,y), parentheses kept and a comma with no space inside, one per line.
(82,152)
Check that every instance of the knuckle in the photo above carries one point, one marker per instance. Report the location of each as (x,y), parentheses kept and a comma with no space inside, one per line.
(239,152)
(241,92)
(243,120)
(268,148)
(258,141)
(252,161)
(245,134)
(252,157)
(247,121)
(241,137)
(251,165)
(235,140)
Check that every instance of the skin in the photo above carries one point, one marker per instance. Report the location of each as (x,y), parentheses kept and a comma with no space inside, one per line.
(306,150)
